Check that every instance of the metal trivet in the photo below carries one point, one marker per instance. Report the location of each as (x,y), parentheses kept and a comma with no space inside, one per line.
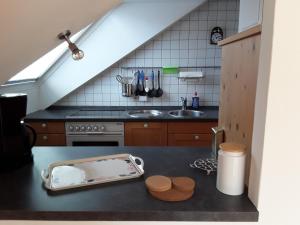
(207,165)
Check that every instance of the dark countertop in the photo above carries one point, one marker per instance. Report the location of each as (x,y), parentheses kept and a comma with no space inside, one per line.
(24,198)
(117,114)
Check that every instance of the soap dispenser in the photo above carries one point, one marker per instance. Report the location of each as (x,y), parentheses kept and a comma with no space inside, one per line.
(195,101)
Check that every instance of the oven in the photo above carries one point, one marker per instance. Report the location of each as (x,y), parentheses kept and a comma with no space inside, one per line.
(95,133)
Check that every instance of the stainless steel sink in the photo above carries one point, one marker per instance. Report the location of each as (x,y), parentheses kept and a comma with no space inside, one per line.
(144,113)
(186,113)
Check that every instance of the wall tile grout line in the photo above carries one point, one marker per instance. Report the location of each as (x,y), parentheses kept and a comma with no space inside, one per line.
(183,44)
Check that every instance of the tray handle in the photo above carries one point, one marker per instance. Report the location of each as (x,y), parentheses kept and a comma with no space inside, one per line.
(140,159)
(45,176)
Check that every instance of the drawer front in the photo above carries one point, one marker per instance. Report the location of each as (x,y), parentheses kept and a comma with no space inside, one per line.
(142,125)
(145,134)
(201,140)
(50,140)
(48,127)
(191,127)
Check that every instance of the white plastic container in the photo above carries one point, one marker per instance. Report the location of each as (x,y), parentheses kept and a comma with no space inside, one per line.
(231,168)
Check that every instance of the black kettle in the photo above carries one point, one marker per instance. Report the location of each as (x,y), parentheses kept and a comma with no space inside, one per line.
(16,137)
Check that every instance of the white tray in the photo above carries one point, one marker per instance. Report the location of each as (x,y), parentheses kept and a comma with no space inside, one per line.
(89,171)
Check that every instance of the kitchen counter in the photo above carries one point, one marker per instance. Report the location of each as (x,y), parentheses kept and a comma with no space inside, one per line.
(24,198)
(113,113)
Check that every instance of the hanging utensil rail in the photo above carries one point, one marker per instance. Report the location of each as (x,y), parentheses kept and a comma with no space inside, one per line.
(159,67)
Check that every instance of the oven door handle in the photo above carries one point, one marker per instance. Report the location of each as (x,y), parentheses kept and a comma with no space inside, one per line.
(95,133)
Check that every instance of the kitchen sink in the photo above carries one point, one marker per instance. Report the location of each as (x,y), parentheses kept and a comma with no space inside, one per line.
(144,113)
(186,113)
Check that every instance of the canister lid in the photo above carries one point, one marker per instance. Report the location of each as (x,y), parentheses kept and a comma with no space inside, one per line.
(233,147)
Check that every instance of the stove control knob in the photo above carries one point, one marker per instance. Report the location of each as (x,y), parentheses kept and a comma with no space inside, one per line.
(95,128)
(89,128)
(71,128)
(77,128)
(82,128)
(102,128)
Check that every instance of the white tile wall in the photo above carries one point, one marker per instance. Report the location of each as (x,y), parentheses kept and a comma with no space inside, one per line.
(185,44)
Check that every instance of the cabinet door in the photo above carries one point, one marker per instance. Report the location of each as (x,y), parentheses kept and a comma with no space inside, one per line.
(201,140)
(50,140)
(48,127)
(145,134)
(191,127)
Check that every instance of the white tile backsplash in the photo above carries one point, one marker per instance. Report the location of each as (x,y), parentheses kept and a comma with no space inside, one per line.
(186,43)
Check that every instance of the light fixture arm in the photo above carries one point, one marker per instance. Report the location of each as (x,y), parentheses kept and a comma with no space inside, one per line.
(77,54)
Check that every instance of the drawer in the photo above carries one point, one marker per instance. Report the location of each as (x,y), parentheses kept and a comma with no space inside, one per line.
(48,127)
(145,134)
(191,127)
(201,140)
(50,140)
(144,125)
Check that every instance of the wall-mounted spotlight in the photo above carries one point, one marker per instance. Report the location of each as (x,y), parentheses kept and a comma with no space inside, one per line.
(77,54)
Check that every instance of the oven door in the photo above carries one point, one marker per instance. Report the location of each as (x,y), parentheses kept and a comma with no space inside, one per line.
(95,140)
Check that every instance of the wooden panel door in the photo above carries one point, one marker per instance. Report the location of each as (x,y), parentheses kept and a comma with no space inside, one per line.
(238,89)
(145,134)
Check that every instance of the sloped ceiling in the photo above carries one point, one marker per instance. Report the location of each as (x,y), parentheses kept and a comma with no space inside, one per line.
(29,28)
(110,39)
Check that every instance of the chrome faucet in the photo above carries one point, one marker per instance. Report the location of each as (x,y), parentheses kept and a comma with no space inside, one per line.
(184,103)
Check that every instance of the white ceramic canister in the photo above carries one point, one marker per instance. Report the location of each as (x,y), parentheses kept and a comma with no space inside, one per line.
(231,168)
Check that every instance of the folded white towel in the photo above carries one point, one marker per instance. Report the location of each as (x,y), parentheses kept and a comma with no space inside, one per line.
(195,74)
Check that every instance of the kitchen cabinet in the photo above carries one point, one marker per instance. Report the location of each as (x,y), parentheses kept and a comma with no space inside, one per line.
(190,133)
(49,133)
(169,133)
(146,134)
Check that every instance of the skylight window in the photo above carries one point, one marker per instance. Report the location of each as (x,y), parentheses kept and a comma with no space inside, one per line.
(40,66)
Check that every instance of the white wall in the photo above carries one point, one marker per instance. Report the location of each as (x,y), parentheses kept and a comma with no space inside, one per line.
(186,43)
(29,28)
(277,116)
(126,28)
(250,13)
(32,91)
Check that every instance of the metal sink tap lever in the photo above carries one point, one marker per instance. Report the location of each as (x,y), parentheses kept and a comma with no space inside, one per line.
(184,103)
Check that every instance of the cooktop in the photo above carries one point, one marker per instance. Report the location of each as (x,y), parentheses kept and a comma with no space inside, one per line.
(95,114)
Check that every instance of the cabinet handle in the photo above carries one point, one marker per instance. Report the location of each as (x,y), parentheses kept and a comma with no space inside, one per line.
(45,137)
(146,125)
(196,137)
(44,125)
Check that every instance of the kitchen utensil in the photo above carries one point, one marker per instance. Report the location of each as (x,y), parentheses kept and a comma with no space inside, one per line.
(142,92)
(170,189)
(209,166)
(217,139)
(159,91)
(126,86)
(120,79)
(127,90)
(172,195)
(147,88)
(152,91)
(90,171)
(231,168)
(137,87)
(158,183)
(185,184)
